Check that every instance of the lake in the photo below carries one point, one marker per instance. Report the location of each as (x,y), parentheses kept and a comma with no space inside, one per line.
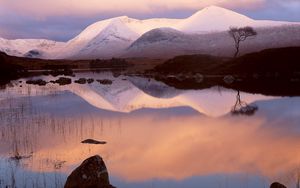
(157,136)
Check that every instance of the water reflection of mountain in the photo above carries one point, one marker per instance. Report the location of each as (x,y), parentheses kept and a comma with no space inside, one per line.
(154,88)
(142,147)
(156,140)
(127,94)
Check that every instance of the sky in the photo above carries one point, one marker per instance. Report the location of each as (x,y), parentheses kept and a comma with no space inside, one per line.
(63,19)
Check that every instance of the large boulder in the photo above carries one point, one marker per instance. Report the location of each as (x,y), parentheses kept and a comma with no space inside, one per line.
(92,173)
(277,185)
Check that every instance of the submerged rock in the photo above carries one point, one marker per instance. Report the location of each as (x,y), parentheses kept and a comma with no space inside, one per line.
(92,173)
(38,82)
(84,81)
(105,82)
(91,141)
(62,81)
(198,77)
(90,80)
(80,81)
(277,185)
(229,79)
(58,164)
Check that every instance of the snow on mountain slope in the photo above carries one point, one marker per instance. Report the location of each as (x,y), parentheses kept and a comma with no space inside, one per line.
(109,42)
(110,37)
(216,19)
(137,26)
(213,19)
(161,42)
(158,35)
(167,43)
(113,37)
(20,47)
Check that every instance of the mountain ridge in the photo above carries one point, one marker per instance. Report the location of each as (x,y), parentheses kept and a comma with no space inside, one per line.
(112,37)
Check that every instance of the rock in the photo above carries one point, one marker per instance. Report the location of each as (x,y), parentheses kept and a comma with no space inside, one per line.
(90,80)
(84,81)
(277,185)
(181,77)
(91,141)
(38,82)
(59,164)
(116,74)
(62,81)
(81,81)
(105,82)
(198,78)
(92,173)
(229,79)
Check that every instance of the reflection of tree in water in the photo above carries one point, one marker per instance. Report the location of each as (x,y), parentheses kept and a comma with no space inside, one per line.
(242,108)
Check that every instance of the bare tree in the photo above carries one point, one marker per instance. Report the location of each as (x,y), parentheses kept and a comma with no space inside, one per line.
(239,35)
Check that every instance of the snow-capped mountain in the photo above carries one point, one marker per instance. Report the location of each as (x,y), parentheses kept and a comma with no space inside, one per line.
(124,36)
(109,38)
(167,43)
(29,47)
(215,18)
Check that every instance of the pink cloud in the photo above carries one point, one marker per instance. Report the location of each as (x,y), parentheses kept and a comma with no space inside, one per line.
(44,8)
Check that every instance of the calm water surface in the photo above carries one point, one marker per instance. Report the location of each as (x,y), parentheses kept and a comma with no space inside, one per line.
(157,136)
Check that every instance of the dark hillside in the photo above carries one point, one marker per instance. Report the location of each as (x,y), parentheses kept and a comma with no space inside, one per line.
(262,72)
(279,60)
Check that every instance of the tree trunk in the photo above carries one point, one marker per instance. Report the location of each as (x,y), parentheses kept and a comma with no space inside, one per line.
(237,47)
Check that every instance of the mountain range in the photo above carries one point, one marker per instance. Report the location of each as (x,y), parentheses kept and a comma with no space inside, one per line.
(204,32)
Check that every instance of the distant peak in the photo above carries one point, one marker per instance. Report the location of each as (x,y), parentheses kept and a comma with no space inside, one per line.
(122,17)
(216,11)
(214,7)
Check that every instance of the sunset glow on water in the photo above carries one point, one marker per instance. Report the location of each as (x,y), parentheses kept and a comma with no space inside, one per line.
(150,145)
